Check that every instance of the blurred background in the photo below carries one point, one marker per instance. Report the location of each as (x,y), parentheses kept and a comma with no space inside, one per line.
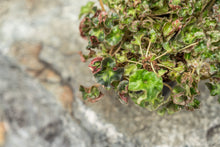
(40,105)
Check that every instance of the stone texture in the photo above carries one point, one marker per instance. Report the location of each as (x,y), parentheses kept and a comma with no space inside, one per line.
(33,115)
(46,34)
(27,55)
(35,118)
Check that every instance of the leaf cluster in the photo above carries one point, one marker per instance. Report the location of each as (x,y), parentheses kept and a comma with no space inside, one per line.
(140,47)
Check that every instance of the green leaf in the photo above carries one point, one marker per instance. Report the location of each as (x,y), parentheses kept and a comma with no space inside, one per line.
(127,46)
(214,88)
(175,2)
(180,67)
(109,22)
(215,35)
(143,80)
(129,69)
(91,94)
(161,112)
(108,74)
(167,47)
(134,26)
(137,38)
(121,57)
(209,23)
(115,36)
(99,33)
(156,4)
(170,28)
(162,72)
(122,87)
(192,34)
(131,12)
(167,29)
(178,89)
(123,92)
(172,108)
(153,36)
(169,63)
(201,47)
(195,104)
(86,9)
(126,21)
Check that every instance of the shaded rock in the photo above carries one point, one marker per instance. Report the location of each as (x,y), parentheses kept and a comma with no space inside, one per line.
(213,136)
(32,114)
(36,119)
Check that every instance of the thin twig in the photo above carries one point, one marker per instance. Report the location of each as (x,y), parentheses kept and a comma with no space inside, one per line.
(171,89)
(118,49)
(164,102)
(148,48)
(188,46)
(134,62)
(165,66)
(153,68)
(111,50)
(208,5)
(101,3)
(193,71)
(161,55)
(142,54)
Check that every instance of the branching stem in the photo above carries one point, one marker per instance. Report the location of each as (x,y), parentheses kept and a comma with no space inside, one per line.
(111,50)
(193,71)
(171,89)
(141,51)
(134,62)
(165,66)
(161,55)
(117,50)
(148,48)
(153,68)
(188,46)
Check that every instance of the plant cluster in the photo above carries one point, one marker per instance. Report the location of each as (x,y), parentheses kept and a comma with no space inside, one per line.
(145,48)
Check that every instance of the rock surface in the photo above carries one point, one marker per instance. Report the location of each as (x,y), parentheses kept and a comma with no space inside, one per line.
(34,118)
(42,37)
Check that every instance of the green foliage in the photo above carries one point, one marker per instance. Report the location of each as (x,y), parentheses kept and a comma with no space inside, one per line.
(214,88)
(148,82)
(86,9)
(91,94)
(129,69)
(139,47)
(115,36)
(108,73)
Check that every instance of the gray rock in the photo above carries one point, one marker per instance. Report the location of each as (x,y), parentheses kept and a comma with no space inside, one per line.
(32,114)
(36,119)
